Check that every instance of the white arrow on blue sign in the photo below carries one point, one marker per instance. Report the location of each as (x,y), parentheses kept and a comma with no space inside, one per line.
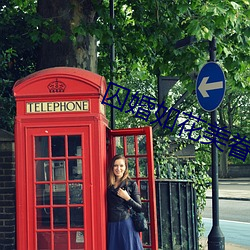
(210,86)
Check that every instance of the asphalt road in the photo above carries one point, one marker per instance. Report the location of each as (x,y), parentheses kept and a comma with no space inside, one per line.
(234,212)
(231,210)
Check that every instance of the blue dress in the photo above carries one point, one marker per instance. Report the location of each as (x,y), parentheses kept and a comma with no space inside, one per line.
(122,236)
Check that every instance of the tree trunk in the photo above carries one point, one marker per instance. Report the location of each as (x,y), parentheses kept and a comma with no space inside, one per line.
(75,49)
(223,166)
(226,120)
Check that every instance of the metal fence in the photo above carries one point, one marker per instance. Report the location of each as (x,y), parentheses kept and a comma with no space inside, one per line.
(176,210)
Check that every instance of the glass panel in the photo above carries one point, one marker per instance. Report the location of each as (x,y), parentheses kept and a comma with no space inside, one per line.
(77,240)
(58,171)
(131,167)
(76,216)
(130,145)
(119,145)
(59,194)
(74,145)
(145,209)
(43,218)
(60,217)
(58,146)
(143,164)
(75,193)
(43,241)
(46,195)
(41,146)
(144,190)
(40,194)
(61,240)
(75,169)
(142,144)
(146,237)
(42,170)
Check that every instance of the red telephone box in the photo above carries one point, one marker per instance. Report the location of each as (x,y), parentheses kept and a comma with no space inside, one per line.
(61,159)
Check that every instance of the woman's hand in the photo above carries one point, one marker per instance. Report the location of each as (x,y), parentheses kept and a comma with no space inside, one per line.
(123,194)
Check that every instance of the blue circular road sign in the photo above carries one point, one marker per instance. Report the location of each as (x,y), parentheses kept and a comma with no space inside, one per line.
(210,86)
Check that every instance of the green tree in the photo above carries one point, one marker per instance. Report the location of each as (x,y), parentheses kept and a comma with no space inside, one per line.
(155,26)
(233,113)
(17,54)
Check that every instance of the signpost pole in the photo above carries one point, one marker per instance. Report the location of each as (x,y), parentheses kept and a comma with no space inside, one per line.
(112,61)
(216,240)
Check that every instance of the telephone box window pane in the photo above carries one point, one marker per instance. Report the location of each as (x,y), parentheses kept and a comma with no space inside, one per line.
(43,218)
(74,145)
(76,217)
(58,146)
(146,237)
(77,240)
(59,194)
(146,210)
(75,169)
(144,190)
(142,144)
(42,171)
(131,167)
(143,164)
(40,194)
(60,217)
(75,193)
(119,145)
(41,146)
(46,196)
(58,171)
(61,240)
(130,145)
(44,241)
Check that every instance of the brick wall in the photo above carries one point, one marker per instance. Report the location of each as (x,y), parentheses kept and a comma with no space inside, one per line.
(7,191)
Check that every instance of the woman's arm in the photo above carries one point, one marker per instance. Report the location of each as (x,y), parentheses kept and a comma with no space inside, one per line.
(133,200)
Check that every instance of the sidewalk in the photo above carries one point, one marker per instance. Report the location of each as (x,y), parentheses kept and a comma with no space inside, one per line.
(228,246)
(230,194)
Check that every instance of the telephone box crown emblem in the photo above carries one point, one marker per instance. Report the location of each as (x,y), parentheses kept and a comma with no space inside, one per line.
(56,86)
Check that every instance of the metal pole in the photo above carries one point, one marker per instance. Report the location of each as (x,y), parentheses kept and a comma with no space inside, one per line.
(112,61)
(216,240)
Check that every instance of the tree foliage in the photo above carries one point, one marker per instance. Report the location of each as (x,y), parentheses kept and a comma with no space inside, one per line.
(145,37)
(17,53)
(149,30)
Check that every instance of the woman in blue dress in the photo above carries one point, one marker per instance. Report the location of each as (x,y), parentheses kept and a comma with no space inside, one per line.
(122,194)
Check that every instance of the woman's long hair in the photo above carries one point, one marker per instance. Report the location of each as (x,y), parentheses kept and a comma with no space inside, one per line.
(111,175)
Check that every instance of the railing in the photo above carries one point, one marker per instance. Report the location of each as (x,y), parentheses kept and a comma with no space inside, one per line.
(176,210)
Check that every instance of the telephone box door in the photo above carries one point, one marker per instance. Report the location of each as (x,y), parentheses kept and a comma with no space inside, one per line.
(59,188)
(137,146)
